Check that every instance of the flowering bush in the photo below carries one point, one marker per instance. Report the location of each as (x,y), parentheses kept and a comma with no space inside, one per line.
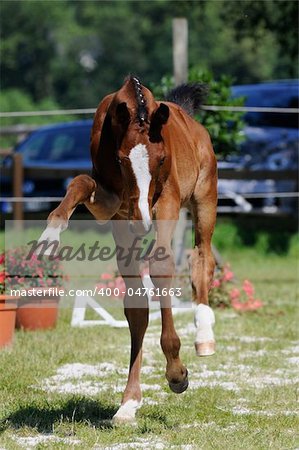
(222,294)
(2,274)
(219,293)
(245,300)
(18,271)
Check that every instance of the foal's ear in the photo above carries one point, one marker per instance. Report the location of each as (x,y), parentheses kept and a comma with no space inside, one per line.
(158,119)
(122,114)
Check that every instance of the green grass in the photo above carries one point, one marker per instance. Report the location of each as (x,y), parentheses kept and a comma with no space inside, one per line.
(243,397)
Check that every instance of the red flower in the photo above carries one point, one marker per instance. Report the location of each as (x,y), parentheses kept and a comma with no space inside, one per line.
(256,304)
(2,276)
(228,275)
(248,288)
(239,306)
(216,283)
(106,276)
(2,258)
(247,306)
(234,294)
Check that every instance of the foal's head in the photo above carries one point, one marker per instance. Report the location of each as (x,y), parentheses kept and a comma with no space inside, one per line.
(141,154)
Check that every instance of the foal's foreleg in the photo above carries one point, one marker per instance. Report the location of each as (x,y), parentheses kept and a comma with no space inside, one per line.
(132,396)
(137,314)
(203,264)
(80,190)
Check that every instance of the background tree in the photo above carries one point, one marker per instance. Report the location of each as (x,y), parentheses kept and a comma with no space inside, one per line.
(73,52)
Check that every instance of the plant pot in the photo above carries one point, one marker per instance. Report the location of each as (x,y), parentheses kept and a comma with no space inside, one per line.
(37,312)
(8,307)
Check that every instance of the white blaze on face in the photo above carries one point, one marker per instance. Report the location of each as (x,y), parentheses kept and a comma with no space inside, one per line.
(140,165)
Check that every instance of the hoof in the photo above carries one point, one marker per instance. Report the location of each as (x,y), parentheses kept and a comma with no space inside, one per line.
(178,388)
(205,348)
(122,420)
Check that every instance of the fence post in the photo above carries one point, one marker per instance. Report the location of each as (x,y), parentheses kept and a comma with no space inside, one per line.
(18,178)
(180,71)
(180,50)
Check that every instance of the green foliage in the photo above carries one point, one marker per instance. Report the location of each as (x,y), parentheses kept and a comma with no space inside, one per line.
(19,100)
(259,236)
(76,52)
(273,24)
(224,126)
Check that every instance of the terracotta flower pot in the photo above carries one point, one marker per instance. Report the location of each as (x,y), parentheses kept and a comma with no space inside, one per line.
(8,307)
(37,312)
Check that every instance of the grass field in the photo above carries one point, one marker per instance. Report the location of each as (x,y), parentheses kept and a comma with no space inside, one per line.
(59,389)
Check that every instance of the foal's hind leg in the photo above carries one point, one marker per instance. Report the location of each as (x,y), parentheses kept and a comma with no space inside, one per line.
(204,208)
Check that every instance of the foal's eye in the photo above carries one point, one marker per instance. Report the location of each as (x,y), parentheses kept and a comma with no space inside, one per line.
(162,161)
(118,160)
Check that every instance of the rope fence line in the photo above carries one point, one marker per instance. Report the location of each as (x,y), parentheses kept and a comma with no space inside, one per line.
(250,109)
(220,196)
(57,112)
(84,111)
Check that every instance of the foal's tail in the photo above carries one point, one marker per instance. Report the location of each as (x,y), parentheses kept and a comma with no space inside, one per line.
(189,96)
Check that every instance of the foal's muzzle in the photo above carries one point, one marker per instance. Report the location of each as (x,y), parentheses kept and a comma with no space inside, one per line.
(139,228)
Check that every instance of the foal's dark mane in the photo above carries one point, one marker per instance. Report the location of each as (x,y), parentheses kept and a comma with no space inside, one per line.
(142,112)
(190,96)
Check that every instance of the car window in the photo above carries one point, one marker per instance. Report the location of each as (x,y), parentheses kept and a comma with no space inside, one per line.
(58,145)
(270,96)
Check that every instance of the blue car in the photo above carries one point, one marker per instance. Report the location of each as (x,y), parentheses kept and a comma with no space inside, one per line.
(57,146)
(270,143)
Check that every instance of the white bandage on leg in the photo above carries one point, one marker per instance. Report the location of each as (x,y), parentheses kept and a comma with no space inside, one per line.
(204,321)
(50,235)
(127,412)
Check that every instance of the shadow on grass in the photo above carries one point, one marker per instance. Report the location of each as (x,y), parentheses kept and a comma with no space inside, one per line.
(73,411)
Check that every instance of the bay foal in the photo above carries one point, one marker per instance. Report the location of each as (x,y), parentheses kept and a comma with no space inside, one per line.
(151,158)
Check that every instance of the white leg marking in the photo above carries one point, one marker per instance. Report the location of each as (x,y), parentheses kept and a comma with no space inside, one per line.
(140,165)
(204,320)
(50,234)
(92,197)
(127,412)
